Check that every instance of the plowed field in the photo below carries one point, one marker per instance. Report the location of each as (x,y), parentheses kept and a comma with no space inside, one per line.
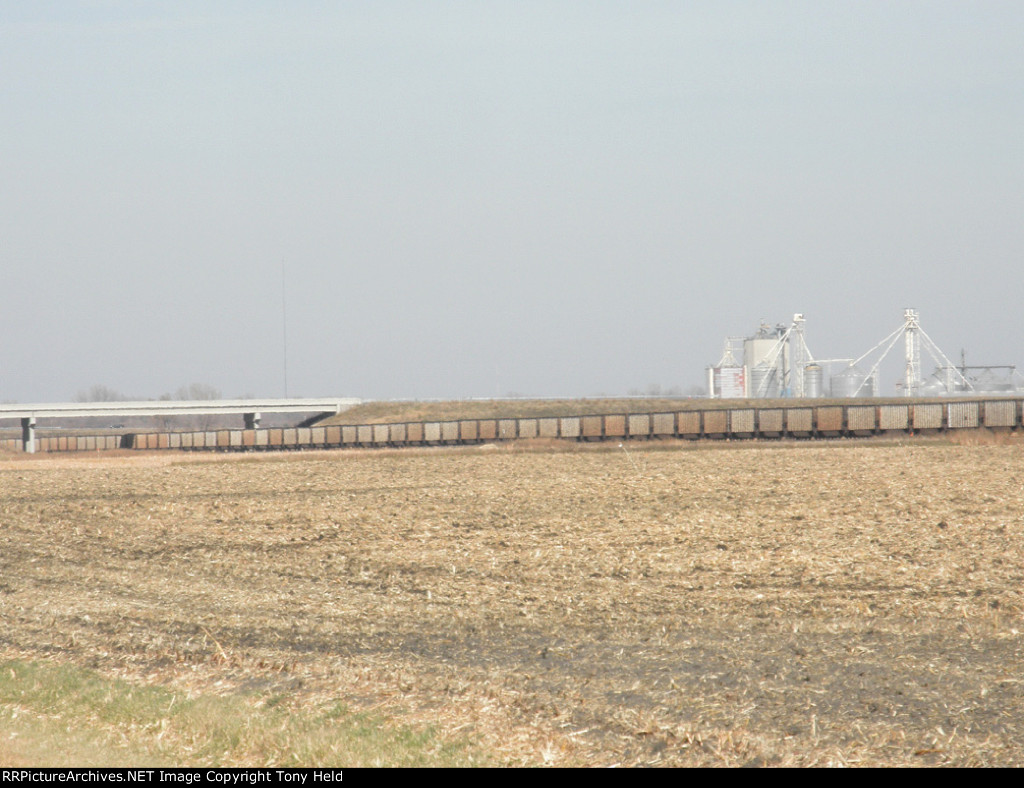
(703,605)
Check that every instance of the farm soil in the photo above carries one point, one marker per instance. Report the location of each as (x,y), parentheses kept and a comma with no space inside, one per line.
(702,605)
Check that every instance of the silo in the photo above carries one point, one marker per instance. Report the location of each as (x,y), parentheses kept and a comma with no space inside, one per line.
(726,382)
(764,382)
(812,381)
(852,383)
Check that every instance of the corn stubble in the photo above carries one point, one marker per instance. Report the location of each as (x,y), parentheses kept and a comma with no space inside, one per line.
(783,605)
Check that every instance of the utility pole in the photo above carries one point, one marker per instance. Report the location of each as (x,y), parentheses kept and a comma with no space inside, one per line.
(284,328)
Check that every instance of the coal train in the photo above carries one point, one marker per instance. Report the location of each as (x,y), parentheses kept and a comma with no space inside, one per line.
(799,420)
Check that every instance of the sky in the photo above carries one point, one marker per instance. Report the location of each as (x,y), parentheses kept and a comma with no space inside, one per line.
(410,200)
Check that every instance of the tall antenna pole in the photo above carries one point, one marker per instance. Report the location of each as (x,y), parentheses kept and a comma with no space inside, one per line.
(284,328)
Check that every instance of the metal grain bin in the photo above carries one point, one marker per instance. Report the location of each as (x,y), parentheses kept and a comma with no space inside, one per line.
(639,425)
(771,421)
(569,426)
(927,417)
(527,428)
(663,424)
(381,433)
(547,428)
(1002,413)
(962,415)
(469,430)
(449,431)
(851,382)
(894,417)
(813,381)
(764,382)
(741,422)
(349,435)
(860,418)
(593,427)
(689,423)
(615,426)
(508,429)
(397,433)
(432,431)
(799,421)
(488,429)
(716,422)
(414,432)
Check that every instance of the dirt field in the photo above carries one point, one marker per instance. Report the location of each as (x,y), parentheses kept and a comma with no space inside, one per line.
(715,605)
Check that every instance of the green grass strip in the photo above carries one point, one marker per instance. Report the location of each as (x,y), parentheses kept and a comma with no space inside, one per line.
(57,715)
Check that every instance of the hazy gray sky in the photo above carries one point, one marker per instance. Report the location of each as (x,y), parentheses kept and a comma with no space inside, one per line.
(477,198)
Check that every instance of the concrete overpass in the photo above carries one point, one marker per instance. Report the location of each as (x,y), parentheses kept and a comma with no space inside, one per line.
(250,409)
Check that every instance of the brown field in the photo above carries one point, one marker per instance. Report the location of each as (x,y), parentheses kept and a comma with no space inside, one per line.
(811,604)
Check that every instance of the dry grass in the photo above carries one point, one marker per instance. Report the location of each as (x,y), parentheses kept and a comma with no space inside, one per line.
(792,605)
(409,411)
(388,412)
(985,437)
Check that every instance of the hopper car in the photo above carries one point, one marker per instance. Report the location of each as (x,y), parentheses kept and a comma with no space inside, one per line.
(800,420)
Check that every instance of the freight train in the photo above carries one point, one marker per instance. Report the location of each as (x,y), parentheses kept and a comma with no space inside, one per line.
(799,420)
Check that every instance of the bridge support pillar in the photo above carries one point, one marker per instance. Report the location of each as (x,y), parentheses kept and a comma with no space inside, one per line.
(252,420)
(28,434)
